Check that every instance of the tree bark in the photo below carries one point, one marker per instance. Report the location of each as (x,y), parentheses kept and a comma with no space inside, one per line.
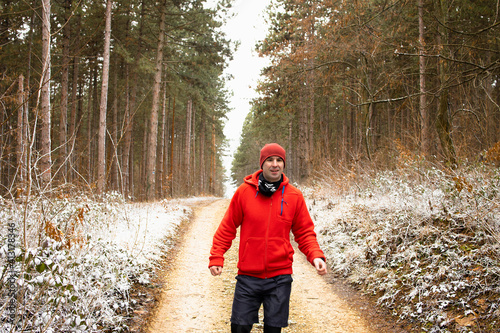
(22,132)
(127,165)
(63,134)
(74,101)
(212,158)
(310,81)
(187,156)
(91,110)
(153,123)
(163,160)
(290,152)
(114,183)
(303,170)
(45,140)
(202,168)
(101,140)
(367,109)
(193,153)
(369,130)
(443,124)
(127,136)
(172,138)
(425,134)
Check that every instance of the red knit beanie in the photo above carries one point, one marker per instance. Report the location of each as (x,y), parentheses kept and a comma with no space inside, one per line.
(272,149)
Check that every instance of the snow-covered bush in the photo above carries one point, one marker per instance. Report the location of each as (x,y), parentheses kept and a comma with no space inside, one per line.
(79,261)
(426,242)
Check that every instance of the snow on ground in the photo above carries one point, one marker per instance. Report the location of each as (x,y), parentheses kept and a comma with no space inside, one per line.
(79,279)
(425,243)
(145,226)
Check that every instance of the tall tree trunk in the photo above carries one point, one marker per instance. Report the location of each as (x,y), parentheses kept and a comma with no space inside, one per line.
(153,123)
(130,110)
(290,153)
(202,168)
(22,132)
(369,130)
(443,124)
(187,156)
(101,140)
(326,134)
(425,134)
(114,132)
(91,110)
(30,55)
(310,93)
(366,110)
(303,147)
(127,165)
(310,121)
(143,163)
(163,146)
(193,187)
(345,129)
(212,158)
(45,140)
(310,116)
(127,136)
(63,147)
(131,172)
(172,138)
(74,100)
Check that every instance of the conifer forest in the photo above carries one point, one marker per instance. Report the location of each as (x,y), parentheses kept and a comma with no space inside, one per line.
(129,95)
(120,96)
(357,83)
(112,118)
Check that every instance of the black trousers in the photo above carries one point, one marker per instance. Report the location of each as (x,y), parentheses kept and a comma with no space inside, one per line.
(273,293)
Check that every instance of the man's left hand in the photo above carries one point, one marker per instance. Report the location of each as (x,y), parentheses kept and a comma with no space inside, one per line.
(320,266)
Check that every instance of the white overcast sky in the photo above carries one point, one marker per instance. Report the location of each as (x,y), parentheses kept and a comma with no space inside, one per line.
(248,27)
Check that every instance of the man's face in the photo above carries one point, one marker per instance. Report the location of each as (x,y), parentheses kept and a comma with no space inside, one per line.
(273,168)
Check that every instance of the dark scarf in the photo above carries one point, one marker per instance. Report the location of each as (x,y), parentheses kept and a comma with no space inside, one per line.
(266,187)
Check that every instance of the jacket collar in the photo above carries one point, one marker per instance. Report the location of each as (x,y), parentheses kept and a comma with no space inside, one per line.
(253,179)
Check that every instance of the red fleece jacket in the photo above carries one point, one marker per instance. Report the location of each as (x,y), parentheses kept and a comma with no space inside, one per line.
(265,250)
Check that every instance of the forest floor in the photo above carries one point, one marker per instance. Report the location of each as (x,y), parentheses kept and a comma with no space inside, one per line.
(187,298)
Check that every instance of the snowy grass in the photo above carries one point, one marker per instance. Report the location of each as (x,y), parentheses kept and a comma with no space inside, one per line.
(81,260)
(425,242)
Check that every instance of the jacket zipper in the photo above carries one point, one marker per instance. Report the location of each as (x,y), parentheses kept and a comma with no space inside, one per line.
(267,238)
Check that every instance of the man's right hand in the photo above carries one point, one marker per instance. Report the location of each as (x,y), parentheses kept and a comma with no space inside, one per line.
(216,270)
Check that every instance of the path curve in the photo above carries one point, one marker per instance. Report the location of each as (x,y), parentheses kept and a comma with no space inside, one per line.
(193,300)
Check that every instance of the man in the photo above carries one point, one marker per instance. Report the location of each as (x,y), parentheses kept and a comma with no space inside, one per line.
(267,208)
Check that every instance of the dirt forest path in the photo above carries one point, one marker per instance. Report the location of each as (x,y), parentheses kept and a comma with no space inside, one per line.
(193,300)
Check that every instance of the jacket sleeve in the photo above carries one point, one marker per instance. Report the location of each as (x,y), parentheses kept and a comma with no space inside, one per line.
(303,231)
(226,231)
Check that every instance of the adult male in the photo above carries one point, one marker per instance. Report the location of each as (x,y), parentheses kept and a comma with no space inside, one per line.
(266,207)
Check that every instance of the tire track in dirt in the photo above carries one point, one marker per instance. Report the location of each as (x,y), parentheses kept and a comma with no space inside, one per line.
(194,301)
